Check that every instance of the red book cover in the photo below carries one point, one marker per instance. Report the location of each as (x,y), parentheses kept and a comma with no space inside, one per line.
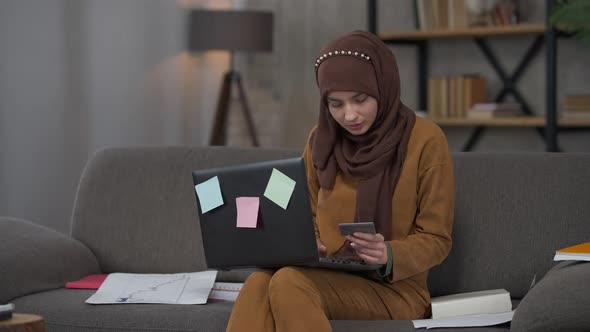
(92,281)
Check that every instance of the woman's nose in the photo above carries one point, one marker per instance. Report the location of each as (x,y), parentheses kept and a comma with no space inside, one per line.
(350,113)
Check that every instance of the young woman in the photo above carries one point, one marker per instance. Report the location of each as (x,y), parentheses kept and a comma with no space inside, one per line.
(368,159)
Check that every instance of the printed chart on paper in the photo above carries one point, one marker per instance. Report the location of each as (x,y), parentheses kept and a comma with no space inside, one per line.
(180,288)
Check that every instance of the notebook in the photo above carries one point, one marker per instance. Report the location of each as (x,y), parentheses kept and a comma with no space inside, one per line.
(580,252)
(282,232)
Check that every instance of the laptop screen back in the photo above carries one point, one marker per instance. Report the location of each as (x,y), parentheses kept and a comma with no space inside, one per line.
(281,237)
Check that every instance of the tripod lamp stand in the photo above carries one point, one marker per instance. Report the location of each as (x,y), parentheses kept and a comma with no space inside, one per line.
(249,31)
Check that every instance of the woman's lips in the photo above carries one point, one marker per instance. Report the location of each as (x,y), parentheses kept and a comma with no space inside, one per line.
(355,126)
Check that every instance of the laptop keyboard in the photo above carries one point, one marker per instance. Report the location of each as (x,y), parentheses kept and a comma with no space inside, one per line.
(342,261)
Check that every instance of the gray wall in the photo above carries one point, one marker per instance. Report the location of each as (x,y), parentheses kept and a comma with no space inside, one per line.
(80,75)
(304,26)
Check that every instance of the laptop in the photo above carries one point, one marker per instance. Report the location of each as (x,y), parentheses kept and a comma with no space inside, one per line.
(282,237)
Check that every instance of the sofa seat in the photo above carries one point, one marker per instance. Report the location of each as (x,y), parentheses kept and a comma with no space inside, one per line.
(65,310)
(406,325)
(402,326)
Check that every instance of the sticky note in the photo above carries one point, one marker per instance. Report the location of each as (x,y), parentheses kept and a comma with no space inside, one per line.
(279,188)
(209,193)
(247,211)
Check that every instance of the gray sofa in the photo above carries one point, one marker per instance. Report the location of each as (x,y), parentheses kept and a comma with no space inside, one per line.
(135,211)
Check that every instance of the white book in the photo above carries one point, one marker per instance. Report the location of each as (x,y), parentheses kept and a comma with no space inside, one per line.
(465,321)
(483,302)
(226,291)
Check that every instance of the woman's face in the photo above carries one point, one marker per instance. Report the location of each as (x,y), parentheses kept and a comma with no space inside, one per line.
(354,111)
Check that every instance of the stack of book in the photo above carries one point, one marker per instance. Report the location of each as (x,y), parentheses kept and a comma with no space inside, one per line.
(482,308)
(576,106)
(483,302)
(453,96)
(494,110)
(580,252)
(451,14)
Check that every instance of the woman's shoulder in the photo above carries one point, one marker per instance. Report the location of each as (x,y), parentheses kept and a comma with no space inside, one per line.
(426,130)
(428,143)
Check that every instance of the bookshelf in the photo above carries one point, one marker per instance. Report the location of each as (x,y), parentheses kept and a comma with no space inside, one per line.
(520,121)
(493,31)
(547,126)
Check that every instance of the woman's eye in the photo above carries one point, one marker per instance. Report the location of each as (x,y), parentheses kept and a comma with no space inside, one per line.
(336,105)
(361,100)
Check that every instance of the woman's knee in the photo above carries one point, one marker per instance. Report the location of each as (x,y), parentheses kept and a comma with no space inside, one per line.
(288,280)
(260,276)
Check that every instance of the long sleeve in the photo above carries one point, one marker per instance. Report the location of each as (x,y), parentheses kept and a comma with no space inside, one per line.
(312,182)
(430,242)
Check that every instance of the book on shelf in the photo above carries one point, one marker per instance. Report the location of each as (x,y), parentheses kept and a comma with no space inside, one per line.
(452,14)
(494,110)
(576,114)
(452,96)
(580,252)
(576,106)
(492,301)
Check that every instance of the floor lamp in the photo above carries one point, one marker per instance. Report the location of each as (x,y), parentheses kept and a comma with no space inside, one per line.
(247,31)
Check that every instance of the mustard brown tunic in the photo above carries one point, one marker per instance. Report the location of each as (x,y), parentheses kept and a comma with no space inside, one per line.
(422,216)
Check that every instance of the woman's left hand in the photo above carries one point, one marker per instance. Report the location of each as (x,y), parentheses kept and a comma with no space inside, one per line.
(370,247)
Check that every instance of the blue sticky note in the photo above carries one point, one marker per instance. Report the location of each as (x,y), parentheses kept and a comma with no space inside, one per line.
(209,193)
(279,188)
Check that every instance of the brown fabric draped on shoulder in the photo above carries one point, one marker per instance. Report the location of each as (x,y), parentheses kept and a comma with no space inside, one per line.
(360,61)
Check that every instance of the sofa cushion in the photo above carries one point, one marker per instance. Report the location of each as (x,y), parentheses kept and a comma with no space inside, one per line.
(136,208)
(235,275)
(34,258)
(559,302)
(65,310)
(403,326)
(512,212)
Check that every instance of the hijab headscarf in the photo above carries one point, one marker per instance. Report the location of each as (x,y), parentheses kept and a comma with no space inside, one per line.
(359,61)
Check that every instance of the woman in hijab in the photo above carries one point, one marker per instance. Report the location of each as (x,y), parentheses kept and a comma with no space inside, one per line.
(368,159)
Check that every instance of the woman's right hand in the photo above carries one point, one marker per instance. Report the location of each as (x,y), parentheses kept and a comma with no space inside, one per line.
(322,250)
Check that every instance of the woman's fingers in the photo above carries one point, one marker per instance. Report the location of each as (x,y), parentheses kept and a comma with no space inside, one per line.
(376,253)
(371,260)
(370,247)
(366,240)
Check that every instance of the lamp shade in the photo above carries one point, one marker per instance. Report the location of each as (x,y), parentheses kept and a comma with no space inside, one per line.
(230,30)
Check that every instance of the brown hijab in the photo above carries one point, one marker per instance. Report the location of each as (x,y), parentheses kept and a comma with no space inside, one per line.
(359,61)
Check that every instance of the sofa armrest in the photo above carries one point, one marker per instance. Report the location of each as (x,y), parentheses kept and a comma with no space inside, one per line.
(34,258)
(559,302)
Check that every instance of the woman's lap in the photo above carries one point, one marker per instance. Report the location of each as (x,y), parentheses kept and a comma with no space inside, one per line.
(342,295)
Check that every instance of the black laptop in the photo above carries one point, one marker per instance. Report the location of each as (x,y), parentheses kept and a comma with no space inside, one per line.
(282,237)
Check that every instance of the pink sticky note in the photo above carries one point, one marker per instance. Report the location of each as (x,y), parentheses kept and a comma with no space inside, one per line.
(247,211)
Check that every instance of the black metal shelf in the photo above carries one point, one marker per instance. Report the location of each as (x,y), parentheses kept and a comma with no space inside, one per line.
(543,34)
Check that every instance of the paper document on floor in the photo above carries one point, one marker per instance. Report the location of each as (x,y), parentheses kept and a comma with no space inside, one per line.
(179,288)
